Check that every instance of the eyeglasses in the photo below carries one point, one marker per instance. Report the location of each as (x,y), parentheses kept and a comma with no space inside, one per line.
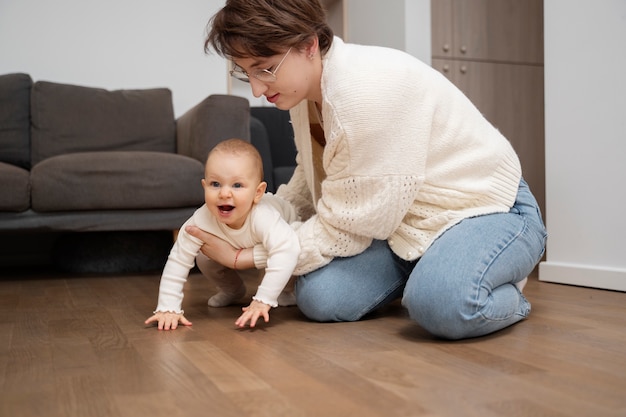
(264,75)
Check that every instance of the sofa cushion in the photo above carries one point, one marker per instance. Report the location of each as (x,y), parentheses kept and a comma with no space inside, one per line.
(70,118)
(14,188)
(116,181)
(15,119)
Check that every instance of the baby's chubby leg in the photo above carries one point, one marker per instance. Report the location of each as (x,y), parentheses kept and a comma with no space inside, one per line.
(229,284)
(288,296)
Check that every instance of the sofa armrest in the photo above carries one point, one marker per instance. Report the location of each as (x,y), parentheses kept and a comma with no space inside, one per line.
(216,118)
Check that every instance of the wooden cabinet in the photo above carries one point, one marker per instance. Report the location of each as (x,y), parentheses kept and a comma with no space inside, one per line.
(493,51)
(491,30)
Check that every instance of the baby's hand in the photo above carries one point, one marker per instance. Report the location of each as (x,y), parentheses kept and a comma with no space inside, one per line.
(253,312)
(168,320)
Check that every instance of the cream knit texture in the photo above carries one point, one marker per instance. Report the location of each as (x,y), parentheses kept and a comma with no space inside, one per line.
(407,156)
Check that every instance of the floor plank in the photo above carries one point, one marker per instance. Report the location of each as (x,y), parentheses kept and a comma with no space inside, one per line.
(77,346)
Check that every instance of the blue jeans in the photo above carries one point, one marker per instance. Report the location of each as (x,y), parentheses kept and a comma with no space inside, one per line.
(462,286)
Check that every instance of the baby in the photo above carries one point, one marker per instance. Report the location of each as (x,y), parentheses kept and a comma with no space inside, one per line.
(238,210)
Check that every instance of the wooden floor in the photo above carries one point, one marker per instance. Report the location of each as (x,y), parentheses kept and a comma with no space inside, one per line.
(77,346)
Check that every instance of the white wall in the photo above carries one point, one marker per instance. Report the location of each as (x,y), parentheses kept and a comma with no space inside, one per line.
(417,29)
(585,101)
(158,43)
(114,44)
(372,22)
(400,24)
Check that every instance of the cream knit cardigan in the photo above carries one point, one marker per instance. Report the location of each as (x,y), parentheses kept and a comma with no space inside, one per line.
(407,156)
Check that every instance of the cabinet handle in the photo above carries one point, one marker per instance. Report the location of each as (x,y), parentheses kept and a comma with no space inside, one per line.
(445,47)
(446,67)
(463,69)
(463,49)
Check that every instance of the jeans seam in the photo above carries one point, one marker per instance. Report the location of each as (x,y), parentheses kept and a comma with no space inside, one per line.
(378,301)
(498,254)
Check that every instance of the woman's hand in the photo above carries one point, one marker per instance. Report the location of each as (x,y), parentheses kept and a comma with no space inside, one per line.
(221,251)
(168,320)
(253,312)
(214,248)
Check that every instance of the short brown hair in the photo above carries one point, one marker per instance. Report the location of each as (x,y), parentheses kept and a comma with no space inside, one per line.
(263,28)
(236,146)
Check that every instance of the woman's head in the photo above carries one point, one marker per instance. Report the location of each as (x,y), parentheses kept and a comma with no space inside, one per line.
(262,37)
(263,28)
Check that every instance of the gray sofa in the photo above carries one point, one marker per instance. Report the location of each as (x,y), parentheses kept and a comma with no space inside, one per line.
(272,134)
(76,158)
(114,165)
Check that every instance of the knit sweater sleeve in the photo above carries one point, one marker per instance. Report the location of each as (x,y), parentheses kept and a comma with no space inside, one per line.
(352,212)
(372,172)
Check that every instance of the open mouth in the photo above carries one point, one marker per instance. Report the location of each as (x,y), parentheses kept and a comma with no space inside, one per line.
(226,208)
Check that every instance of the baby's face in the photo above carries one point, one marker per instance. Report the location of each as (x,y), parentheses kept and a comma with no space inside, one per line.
(231,188)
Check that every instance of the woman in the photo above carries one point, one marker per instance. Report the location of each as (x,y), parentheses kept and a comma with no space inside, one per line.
(406,190)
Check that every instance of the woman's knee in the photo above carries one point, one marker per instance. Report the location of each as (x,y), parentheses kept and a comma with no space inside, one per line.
(315,301)
(349,288)
(433,308)
(461,313)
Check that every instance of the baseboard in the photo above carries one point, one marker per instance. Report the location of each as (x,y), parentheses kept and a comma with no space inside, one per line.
(583,275)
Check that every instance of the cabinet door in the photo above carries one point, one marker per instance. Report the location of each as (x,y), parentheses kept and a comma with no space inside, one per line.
(441,28)
(491,30)
(507,95)
(498,30)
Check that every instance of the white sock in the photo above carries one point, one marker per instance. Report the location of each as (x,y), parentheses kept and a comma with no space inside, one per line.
(223,298)
(521,284)
(287,298)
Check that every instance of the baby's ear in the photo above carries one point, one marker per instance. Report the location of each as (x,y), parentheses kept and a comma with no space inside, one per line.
(260,190)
